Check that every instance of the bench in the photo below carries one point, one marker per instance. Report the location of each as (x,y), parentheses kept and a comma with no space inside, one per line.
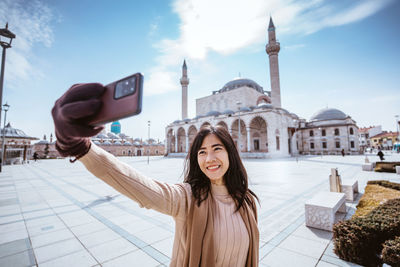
(321,210)
(350,189)
(369,167)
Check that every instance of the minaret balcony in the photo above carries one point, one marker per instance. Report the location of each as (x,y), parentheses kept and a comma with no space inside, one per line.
(273,48)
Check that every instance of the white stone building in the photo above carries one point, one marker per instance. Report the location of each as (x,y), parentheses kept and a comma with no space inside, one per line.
(328,132)
(266,129)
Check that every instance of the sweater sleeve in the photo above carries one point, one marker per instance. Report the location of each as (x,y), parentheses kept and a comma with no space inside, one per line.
(170,199)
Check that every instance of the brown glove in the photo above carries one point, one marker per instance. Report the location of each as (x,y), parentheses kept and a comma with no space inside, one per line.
(72,113)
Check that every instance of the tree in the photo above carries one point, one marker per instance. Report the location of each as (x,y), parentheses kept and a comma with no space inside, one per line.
(46,151)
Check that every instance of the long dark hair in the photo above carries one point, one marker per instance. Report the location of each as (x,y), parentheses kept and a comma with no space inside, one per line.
(235,177)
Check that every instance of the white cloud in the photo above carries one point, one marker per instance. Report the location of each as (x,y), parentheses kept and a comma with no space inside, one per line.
(31,23)
(225,26)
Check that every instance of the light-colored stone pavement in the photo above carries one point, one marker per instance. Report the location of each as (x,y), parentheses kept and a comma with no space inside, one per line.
(54,213)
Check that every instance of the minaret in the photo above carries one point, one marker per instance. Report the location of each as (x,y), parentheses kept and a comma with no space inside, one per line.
(272,49)
(184,83)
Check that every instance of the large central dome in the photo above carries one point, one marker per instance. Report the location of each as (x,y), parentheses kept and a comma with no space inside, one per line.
(328,114)
(241,82)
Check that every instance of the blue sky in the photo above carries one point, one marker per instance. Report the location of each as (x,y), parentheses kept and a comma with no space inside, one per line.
(341,54)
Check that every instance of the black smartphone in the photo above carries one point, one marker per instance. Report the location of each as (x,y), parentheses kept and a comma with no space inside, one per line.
(122,98)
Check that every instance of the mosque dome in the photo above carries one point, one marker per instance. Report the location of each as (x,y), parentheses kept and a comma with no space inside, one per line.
(328,114)
(213,113)
(102,136)
(112,135)
(228,112)
(264,106)
(245,109)
(11,132)
(240,82)
(116,127)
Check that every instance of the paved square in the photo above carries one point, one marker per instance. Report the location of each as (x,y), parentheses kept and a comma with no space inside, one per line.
(54,213)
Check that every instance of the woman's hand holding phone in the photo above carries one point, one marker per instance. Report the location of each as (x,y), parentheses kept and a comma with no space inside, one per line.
(72,114)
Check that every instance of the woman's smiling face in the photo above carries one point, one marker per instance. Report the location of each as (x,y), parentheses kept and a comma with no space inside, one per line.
(213,159)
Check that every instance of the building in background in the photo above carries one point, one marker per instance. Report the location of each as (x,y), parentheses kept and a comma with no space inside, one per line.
(364,135)
(328,132)
(116,127)
(258,124)
(17,145)
(384,140)
(116,144)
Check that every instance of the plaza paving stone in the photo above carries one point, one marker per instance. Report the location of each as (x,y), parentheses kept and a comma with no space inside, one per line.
(54,213)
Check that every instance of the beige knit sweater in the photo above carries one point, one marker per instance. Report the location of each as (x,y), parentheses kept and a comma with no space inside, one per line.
(231,238)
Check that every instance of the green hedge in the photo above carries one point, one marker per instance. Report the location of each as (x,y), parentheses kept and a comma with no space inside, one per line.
(360,239)
(386,184)
(391,252)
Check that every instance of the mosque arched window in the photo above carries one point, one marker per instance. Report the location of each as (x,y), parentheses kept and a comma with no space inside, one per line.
(323,132)
(311,133)
(336,131)
(351,131)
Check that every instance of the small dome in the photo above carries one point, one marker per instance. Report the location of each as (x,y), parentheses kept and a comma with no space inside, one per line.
(15,133)
(241,82)
(186,120)
(245,109)
(107,143)
(228,112)
(102,136)
(118,143)
(213,113)
(96,142)
(177,121)
(112,135)
(264,105)
(136,143)
(328,114)
(127,143)
(42,142)
(123,136)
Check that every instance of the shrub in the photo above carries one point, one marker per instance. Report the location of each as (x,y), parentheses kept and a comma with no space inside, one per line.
(391,252)
(361,239)
(387,184)
(374,195)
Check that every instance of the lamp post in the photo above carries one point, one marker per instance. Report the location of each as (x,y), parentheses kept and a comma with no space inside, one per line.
(148,143)
(6,37)
(397,127)
(5,107)
(238,103)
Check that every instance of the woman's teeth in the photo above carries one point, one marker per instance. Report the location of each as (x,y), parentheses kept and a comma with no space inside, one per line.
(213,167)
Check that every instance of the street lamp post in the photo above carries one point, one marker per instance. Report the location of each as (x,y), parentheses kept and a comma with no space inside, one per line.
(148,143)
(5,107)
(397,127)
(238,103)
(5,43)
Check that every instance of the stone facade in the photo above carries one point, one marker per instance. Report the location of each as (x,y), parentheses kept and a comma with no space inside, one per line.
(226,101)
(119,148)
(330,139)
(266,129)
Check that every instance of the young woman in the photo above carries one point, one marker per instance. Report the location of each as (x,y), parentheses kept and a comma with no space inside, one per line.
(214,211)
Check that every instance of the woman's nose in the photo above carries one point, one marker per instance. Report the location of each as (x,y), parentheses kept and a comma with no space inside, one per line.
(210,157)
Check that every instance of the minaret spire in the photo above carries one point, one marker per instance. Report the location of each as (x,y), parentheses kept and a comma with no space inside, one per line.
(184,83)
(272,49)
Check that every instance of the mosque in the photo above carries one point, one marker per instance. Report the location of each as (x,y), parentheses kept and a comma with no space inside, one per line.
(258,124)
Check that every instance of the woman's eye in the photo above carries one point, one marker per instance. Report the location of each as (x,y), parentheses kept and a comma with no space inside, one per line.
(201,152)
(218,148)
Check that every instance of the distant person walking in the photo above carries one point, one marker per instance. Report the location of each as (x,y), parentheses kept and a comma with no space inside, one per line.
(343,152)
(215,212)
(35,156)
(380,155)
